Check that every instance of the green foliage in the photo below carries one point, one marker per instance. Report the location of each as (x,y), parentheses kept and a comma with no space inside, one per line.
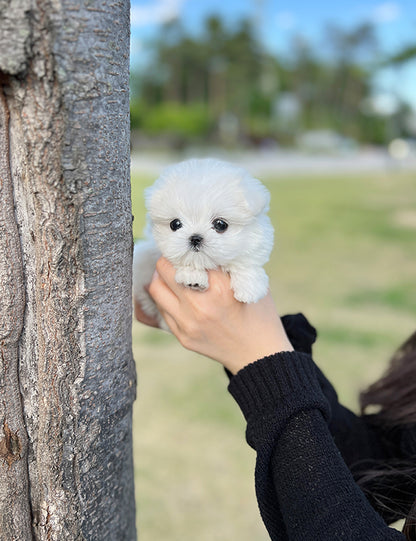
(407,54)
(373,129)
(259,104)
(177,119)
(137,112)
(227,70)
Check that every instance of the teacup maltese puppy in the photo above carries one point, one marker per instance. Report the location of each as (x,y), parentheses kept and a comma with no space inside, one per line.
(205,214)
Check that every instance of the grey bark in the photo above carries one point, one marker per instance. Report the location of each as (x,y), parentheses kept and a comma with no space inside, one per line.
(67,379)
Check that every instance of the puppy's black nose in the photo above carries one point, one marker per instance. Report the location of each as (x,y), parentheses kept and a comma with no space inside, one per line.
(195,241)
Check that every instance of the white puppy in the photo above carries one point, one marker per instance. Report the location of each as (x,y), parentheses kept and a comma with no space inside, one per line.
(205,214)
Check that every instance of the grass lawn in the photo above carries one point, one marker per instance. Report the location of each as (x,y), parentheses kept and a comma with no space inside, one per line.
(345,255)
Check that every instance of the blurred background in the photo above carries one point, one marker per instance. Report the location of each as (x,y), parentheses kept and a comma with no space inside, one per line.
(318,100)
(273,75)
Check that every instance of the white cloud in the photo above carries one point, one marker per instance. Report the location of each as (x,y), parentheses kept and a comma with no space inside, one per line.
(155,12)
(386,12)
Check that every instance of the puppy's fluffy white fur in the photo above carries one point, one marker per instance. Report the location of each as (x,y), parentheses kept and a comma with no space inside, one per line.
(205,214)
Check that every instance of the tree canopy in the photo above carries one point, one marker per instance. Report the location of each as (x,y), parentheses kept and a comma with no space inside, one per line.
(222,84)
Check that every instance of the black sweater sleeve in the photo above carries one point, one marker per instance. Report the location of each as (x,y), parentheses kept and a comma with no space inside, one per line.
(365,443)
(304,488)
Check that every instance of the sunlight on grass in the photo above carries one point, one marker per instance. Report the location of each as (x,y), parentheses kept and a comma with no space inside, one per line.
(345,256)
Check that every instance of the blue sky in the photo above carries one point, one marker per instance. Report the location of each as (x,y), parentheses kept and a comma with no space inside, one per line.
(277,20)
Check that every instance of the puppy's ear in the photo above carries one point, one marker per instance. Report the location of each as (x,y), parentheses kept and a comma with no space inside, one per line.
(153,198)
(148,196)
(256,195)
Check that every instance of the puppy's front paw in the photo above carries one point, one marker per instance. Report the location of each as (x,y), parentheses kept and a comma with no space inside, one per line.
(197,287)
(249,285)
(194,279)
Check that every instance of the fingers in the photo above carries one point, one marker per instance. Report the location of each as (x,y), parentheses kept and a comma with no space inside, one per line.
(161,293)
(166,271)
(179,304)
(141,316)
(162,287)
(219,283)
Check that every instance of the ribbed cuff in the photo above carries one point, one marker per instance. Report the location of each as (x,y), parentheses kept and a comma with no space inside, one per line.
(281,384)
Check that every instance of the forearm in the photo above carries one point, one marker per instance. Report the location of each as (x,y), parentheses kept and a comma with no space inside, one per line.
(303,485)
(318,498)
(359,441)
(269,392)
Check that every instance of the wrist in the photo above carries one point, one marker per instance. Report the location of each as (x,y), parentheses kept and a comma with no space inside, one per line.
(248,356)
(279,385)
(267,340)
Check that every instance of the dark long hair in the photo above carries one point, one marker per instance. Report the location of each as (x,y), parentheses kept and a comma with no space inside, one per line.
(395,396)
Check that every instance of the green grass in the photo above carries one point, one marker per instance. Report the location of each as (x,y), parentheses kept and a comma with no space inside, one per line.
(345,256)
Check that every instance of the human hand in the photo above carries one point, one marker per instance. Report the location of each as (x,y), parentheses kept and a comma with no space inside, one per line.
(214,323)
(141,315)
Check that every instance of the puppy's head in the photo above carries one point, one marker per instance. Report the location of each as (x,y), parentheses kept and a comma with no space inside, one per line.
(204,212)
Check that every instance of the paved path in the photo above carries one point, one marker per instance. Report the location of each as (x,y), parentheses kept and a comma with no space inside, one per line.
(283,163)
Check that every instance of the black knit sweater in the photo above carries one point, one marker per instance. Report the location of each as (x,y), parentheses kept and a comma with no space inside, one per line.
(310,450)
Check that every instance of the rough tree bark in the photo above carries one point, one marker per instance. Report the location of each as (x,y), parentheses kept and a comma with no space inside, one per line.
(67,379)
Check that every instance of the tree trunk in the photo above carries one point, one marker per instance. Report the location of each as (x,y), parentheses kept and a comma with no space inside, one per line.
(67,378)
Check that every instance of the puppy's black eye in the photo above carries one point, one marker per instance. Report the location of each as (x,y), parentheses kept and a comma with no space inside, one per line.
(219,225)
(175,224)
